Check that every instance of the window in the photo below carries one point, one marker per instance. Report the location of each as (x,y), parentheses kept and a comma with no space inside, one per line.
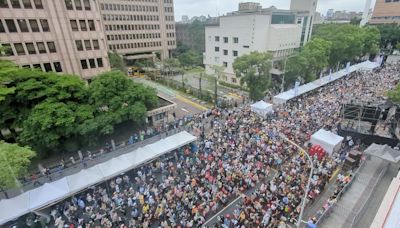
(78,5)
(45,25)
(100,62)
(92,63)
(37,66)
(3,4)
(225,52)
(225,39)
(91,25)
(68,4)
(84,64)
(235,40)
(217,38)
(79,45)
(234,80)
(74,25)
(7,50)
(11,25)
(216,49)
(15,4)
(225,64)
(47,67)
(57,66)
(26,66)
(38,4)
(27,4)
(23,26)
(41,47)
(96,45)
(34,25)
(52,47)
(19,47)
(82,24)
(246,46)
(235,53)
(31,48)
(88,46)
(86,4)
(2,29)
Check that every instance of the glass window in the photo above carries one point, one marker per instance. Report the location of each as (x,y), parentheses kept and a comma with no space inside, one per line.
(78,5)
(235,40)
(52,47)
(100,62)
(217,38)
(19,47)
(38,4)
(79,45)
(15,4)
(2,29)
(47,67)
(3,4)
(57,66)
(37,66)
(225,39)
(23,26)
(31,48)
(216,49)
(82,24)
(74,25)
(86,4)
(7,49)
(41,47)
(68,4)
(34,25)
(88,46)
(225,64)
(96,45)
(91,25)
(225,52)
(84,64)
(11,25)
(45,25)
(92,63)
(235,53)
(27,4)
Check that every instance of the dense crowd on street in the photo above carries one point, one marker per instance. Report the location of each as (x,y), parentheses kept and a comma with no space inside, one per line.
(237,151)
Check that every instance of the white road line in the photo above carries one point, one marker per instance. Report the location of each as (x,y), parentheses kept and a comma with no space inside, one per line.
(223,209)
(184,110)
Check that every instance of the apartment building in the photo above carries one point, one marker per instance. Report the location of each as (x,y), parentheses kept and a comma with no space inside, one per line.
(139,29)
(278,32)
(386,12)
(54,35)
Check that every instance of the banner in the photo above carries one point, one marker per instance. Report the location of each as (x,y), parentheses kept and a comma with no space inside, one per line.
(330,74)
(348,67)
(296,88)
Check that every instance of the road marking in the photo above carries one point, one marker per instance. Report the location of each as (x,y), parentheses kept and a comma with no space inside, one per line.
(241,196)
(184,110)
(198,106)
(334,174)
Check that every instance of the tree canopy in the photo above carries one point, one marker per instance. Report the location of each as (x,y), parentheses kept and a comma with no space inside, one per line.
(14,162)
(254,70)
(390,34)
(116,61)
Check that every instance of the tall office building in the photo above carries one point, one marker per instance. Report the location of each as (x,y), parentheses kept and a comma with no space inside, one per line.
(53,35)
(306,10)
(386,12)
(139,29)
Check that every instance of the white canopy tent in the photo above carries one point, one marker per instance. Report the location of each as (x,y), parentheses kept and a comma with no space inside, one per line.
(53,192)
(329,141)
(262,108)
(383,152)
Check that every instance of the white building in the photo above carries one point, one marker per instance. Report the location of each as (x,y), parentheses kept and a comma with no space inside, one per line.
(252,28)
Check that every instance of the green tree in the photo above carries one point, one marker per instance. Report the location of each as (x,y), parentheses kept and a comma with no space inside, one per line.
(171,65)
(197,35)
(394,95)
(190,59)
(254,70)
(398,46)
(116,61)
(14,162)
(390,34)
(355,21)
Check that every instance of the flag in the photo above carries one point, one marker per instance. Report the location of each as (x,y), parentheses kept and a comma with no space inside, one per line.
(348,67)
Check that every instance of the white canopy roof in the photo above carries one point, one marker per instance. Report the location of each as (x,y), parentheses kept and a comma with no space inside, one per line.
(262,108)
(384,152)
(53,192)
(329,141)
(291,94)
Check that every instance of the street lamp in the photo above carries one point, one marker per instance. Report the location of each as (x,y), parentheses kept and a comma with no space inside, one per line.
(284,72)
(303,203)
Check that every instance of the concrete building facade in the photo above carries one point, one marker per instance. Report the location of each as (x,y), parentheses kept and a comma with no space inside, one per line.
(279,32)
(61,36)
(305,15)
(139,29)
(386,12)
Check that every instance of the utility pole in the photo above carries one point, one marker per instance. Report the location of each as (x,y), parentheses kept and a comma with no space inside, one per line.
(201,75)
(216,92)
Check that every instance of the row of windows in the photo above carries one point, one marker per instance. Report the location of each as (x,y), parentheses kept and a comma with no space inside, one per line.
(392,1)
(171,43)
(387,17)
(89,45)
(168,1)
(16,4)
(169,9)
(170,34)
(30,48)
(83,25)
(55,66)
(169,18)
(170,26)
(30,25)
(119,17)
(226,39)
(92,63)
(137,8)
(132,27)
(135,45)
(234,53)
(134,36)
(77,4)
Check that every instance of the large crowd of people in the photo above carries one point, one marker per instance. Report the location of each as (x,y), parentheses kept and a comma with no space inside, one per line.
(237,151)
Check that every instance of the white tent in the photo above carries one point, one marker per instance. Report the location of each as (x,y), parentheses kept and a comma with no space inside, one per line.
(53,192)
(262,108)
(327,140)
(384,152)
